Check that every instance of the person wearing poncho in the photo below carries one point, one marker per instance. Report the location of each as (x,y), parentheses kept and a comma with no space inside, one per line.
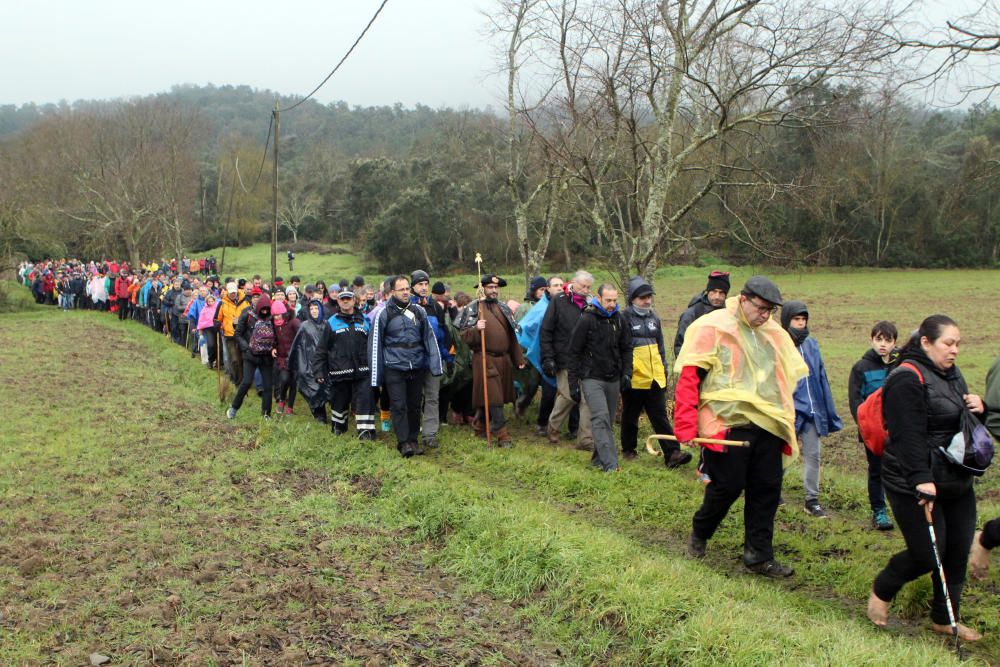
(737,375)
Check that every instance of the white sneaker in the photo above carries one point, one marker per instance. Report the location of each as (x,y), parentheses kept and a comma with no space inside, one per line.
(231,413)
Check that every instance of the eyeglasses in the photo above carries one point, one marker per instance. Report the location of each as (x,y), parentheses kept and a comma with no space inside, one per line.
(769,309)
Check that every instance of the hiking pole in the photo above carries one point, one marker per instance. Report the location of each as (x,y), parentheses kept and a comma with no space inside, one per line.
(481,295)
(944,583)
(697,441)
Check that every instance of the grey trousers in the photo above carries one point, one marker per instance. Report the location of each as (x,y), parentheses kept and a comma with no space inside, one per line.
(564,405)
(602,398)
(432,411)
(809,448)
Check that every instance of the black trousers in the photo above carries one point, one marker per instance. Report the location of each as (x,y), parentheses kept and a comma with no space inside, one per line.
(757,471)
(406,393)
(954,527)
(251,364)
(654,402)
(122,308)
(285,389)
(353,395)
(876,497)
(991,534)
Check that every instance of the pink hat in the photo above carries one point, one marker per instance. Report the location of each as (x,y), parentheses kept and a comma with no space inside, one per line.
(278,308)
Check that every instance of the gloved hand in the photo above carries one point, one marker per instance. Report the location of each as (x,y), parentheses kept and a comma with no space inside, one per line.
(626,382)
(549,367)
(574,392)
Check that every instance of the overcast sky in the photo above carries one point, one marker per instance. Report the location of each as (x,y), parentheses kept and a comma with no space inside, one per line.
(433,52)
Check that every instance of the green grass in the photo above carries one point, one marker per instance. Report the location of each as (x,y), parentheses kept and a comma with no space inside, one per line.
(585,564)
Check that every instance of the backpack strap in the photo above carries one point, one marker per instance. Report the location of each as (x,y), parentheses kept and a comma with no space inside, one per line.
(913,368)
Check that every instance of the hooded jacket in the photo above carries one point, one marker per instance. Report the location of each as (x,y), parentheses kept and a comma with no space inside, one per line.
(867,375)
(300,359)
(600,347)
(402,339)
(229,313)
(649,358)
(697,306)
(246,323)
(813,397)
(436,319)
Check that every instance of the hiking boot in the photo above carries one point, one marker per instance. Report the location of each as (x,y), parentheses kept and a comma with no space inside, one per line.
(418,449)
(880,519)
(407,449)
(338,429)
(503,438)
(584,447)
(677,458)
(231,413)
(696,547)
(367,434)
(288,410)
(771,568)
(553,436)
(630,455)
(281,408)
(814,509)
(431,443)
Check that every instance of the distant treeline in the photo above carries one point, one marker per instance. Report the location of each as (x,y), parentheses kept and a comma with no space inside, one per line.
(884,182)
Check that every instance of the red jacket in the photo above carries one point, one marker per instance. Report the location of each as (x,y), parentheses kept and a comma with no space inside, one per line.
(121,287)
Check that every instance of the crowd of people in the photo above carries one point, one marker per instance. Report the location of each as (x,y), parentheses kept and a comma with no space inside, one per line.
(750,393)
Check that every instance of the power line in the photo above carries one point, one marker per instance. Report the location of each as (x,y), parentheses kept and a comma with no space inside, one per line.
(334,71)
(263,157)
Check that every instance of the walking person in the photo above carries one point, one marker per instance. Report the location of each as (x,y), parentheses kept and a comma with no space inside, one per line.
(924,406)
(648,389)
(420,285)
(737,375)
(560,319)
(490,320)
(302,359)
(713,297)
(286,326)
(867,376)
(815,414)
(600,364)
(401,352)
(341,364)
(256,337)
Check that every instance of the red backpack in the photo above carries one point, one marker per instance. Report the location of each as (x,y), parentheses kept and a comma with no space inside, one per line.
(871,423)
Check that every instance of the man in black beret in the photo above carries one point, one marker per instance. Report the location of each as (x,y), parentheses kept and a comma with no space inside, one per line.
(503,354)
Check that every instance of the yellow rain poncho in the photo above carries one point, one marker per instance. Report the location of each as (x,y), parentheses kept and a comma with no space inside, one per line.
(752,374)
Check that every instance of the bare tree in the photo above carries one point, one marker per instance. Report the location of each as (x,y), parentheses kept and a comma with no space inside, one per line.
(664,102)
(536,185)
(297,210)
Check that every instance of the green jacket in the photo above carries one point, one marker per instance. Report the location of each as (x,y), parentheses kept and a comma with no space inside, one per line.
(992,399)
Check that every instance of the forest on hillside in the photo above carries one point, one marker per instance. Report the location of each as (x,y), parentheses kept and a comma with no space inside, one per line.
(623,163)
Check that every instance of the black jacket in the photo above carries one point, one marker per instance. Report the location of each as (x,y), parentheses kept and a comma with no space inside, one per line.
(697,307)
(342,352)
(600,347)
(244,328)
(920,418)
(557,329)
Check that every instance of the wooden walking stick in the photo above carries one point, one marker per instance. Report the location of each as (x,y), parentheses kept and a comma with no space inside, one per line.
(698,441)
(481,294)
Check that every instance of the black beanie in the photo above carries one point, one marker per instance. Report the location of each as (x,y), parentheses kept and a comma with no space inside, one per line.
(718,280)
(438,288)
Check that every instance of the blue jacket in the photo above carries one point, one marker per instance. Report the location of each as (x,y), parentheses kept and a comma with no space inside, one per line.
(530,335)
(402,339)
(195,310)
(813,398)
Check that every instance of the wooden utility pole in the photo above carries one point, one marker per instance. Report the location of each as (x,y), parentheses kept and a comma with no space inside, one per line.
(274,227)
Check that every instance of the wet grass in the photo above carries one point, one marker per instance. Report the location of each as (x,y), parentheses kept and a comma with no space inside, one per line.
(273,536)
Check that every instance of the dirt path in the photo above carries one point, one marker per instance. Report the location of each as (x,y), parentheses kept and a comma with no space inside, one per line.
(135,526)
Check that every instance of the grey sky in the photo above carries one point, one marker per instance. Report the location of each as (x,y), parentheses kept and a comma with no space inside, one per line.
(434,52)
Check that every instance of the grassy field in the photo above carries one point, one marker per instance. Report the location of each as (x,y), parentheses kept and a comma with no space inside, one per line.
(139,523)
